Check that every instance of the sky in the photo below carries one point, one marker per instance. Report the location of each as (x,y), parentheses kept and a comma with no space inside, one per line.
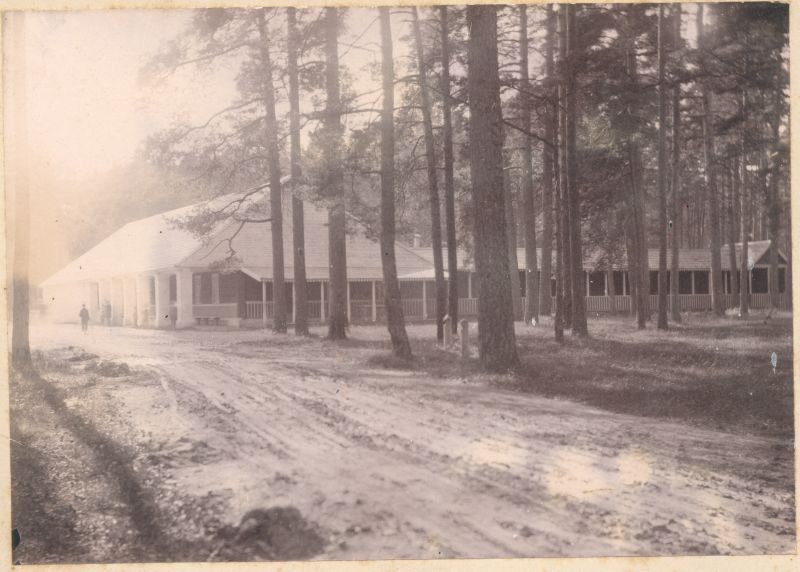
(88,110)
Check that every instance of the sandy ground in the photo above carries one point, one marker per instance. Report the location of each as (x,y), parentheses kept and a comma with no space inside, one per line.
(397,464)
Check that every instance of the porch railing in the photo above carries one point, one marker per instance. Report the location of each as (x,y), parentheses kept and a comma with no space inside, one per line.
(215,310)
(361,310)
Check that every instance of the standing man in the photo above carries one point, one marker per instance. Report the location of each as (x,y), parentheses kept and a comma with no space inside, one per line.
(84,316)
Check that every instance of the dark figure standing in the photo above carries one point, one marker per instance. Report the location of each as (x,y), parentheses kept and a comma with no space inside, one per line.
(84,315)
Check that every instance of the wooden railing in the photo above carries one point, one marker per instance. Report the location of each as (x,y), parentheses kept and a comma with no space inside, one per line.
(215,310)
(467,306)
(412,308)
(254,310)
(361,310)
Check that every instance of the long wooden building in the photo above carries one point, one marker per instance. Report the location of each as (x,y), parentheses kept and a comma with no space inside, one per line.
(152,273)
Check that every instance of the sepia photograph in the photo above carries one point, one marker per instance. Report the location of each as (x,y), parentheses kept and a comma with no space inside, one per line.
(398,282)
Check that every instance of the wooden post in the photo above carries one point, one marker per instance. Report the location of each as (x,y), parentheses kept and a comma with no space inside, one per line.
(448,332)
(348,302)
(424,300)
(263,303)
(469,284)
(464,339)
(692,282)
(322,302)
(374,304)
(294,303)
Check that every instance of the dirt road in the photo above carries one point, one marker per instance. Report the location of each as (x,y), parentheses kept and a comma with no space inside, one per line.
(393,464)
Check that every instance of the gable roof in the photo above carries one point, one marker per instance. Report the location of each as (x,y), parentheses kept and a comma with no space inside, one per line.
(155,243)
(757,254)
(253,249)
(690,258)
(145,245)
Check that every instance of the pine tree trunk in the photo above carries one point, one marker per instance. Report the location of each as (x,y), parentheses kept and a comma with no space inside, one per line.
(275,190)
(511,251)
(579,325)
(496,339)
(395,320)
(639,272)
(676,210)
(433,186)
(788,278)
(732,230)
(449,185)
(773,218)
(662,173)
(548,152)
(744,283)
(298,218)
(566,254)
(710,177)
(558,321)
(20,310)
(528,194)
(337,231)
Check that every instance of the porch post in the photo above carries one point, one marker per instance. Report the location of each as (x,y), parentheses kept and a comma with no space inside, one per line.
(143,300)
(128,301)
(294,302)
(348,302)
(424,300)
(162,301)
(183,304)
(321,301)
(263,303)
(374,305)
(692,281)
(469,284)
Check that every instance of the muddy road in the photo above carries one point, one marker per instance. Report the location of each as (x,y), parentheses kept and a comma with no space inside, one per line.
(397,464)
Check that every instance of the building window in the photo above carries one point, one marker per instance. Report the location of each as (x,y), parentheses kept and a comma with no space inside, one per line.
(654,282)
(202,290)
(685,282)
(760,280)
(781,280)
(410,290)
(196,288)
(463,284)
(523,284)
(597,284)
(476,285)
(363,290)
(620,278)
(252,289)
(228,286)
(701,282)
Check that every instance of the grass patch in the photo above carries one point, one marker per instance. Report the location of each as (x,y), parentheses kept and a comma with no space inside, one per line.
(713,372)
